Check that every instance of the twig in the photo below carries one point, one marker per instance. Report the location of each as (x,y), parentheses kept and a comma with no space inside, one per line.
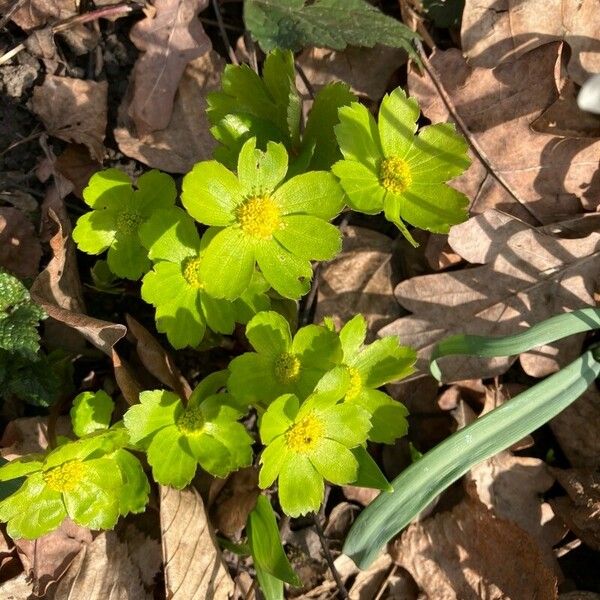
(329,558)
(305,316)
(225,25)
(29,138)
(307,83)
(477,149)
(10,12)
(230,52)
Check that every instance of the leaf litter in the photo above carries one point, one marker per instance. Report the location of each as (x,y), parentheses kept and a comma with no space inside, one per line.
(530,250)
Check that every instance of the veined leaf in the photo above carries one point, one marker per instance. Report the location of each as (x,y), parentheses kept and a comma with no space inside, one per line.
(419,484)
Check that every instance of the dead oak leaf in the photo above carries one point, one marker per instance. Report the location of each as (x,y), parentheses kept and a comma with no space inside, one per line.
(73,110)
(537,177)
(170,38)
(496,31)
(20,249)
(469,554)
(526,276)
(36,13)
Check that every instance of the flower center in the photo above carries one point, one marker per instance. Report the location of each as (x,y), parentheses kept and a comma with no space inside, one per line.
(259,217)
(66,477)
(304,435)
(287,368)
(355,384)
(191,272)
(128,221)
(395,175)
(191,421)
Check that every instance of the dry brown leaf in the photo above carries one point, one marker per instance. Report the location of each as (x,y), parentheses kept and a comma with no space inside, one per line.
(20,249)
(527,275)
(194,569)
(144,552)
(47,558)
(495,31)
(29,435)
(186,139)
(540,178)
(358,280)
(366,70)
(76,165)
(130,387)
(158,362)
(102,571)
(360,495)
(73,110)
(18,588)
(235,502)
(49,288)
(579,596)
(35,13)
(469,554)
(576,429)
(581,510)
(169,37)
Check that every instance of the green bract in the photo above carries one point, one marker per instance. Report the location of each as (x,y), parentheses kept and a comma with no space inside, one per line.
(176,288)
(92,480)
(307,444)
(373,366)
(177,438)
(270,109)
(387,167)
(118,212)
(281,364)
(256,217)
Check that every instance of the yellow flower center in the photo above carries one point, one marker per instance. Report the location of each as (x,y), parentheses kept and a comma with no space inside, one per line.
(395,175)
(287,368)
(305,434)
(191,272)
(259,217)
(66,477)
(356,383)
(191,421)
(128,221)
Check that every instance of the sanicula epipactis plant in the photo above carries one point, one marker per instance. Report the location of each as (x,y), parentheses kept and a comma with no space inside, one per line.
(252,224)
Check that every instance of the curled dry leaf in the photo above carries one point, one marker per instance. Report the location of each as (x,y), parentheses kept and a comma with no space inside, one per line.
(169,37)
(495,31)
(73,110)
(359,280)
(540,178)
(130,387)
(36,13)
(366,70)
(47,558)
(186,139)
(581,509)
(526,275)
(20,249)
(469,554)
(576,429)
(102,570)
(194,569)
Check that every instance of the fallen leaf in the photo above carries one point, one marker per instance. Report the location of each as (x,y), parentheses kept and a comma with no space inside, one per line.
(10,565)
(579,596)
(76,165)
(48,290)
(527,275)
(361,495)
(495,31)
(366,70)
(47,558)
(127,382)
(186,139)
(102,571)
(576,429)
(235,502)
(35,13)
(169,37)
(73,110)
(194,569)
(358,280)
(144,552)
(340,519)
(29,435)
(581,510)
(469,554)
(20,249)
(158,362)
(18,588)
(540,178)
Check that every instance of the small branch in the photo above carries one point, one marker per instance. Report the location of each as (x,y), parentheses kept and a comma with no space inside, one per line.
(305,81)
(329,558)
(305,316)
(221,24)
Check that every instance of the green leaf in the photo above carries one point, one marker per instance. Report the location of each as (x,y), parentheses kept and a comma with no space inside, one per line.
(334,462)
(269,333)
(170,235)
(91,412)
(108,188)
(369,473)
(301,487)
(398,116)
(294,24)
(420,483)
(278,418)
(135,489)
(261,172)
(265,543)
(171,460)
(358,136)
(309,237)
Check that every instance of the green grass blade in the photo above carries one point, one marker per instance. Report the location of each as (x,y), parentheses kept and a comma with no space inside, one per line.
(545,332)
(424,480)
